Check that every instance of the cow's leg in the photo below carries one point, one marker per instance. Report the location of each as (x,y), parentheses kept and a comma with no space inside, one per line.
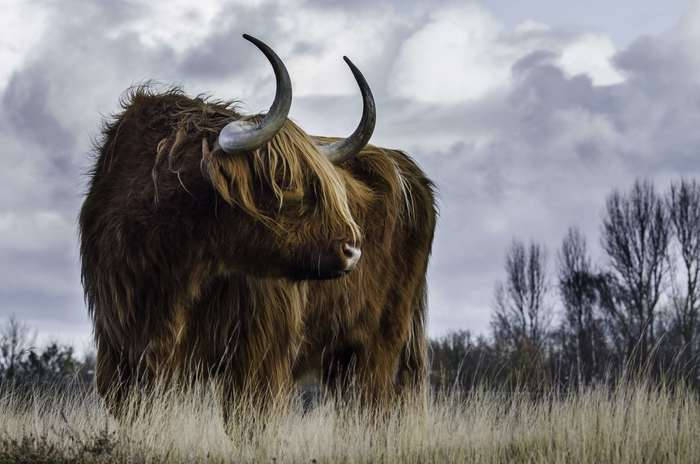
(113,378)
(412,374)
(362,374)
(247,400)
(339,371)
(376,374)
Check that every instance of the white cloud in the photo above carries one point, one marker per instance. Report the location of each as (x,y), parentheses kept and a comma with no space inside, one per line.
(314,58)
(463,54)
(591,54)
(22,24)
(530,26)
(177,24)
(455,57)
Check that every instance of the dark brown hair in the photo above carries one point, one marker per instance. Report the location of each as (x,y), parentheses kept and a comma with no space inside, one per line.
(194,260)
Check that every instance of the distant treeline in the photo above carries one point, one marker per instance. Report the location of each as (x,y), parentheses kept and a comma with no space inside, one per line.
(23,364)
(635,312)
(575,324)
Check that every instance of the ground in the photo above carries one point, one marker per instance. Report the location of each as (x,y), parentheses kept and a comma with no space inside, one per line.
(629,424)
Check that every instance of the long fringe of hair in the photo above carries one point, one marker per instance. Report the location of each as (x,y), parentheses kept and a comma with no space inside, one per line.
(289,164)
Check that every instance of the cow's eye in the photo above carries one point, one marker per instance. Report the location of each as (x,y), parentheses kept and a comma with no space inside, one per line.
(296,204)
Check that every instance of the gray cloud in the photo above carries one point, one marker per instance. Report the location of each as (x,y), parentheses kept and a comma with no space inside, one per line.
(223,52)
(557,146)
(525,160)
(25,102)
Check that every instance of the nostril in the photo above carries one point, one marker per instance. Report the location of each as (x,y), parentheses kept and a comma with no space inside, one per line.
(350,251)
(352,254)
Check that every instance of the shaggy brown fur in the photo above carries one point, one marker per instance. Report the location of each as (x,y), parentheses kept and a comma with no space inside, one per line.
(195,261)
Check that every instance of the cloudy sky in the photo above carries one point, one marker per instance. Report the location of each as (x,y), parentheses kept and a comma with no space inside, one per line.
(526,114)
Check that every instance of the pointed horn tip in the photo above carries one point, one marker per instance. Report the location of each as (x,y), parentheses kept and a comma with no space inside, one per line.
(254,40)
(355,70)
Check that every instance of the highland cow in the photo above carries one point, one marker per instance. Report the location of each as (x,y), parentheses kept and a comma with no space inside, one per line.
(244,250)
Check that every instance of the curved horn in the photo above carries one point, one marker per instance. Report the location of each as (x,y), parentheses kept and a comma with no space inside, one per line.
(239,136)
(343,150)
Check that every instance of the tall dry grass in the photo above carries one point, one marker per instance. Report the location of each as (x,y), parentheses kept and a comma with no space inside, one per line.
(628,424)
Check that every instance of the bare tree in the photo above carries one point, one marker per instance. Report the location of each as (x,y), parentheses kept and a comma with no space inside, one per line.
(16,342)
(581,333)
(521,317)
(635,236)
(683,202)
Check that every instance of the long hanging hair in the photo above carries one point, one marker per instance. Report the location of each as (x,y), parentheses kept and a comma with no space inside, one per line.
(288,164)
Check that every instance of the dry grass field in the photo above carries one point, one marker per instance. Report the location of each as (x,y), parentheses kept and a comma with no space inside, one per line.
(630,424)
